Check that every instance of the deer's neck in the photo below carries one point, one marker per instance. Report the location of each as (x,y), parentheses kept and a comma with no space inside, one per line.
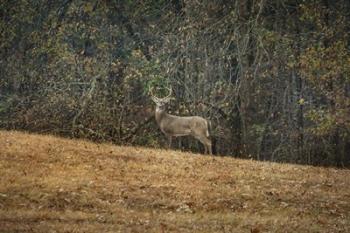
(160,114)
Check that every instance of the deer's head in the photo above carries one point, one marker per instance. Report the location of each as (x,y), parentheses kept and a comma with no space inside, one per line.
(161,102)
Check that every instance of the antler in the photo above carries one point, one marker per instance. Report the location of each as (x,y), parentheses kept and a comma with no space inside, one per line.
(168,97)
(154,98)
(165,99)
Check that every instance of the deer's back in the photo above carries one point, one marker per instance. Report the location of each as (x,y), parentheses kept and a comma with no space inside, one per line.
(180,126)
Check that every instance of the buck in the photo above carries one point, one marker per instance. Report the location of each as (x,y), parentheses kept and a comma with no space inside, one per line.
(177,126)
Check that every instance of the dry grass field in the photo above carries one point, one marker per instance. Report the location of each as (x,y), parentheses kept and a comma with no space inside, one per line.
(50,184)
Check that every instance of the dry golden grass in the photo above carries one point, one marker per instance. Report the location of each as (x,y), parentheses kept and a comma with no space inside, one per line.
(50,184)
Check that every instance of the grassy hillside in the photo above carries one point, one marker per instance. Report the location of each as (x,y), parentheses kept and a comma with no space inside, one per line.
(50,184)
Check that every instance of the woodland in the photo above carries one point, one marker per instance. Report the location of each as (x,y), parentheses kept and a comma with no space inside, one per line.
(273,77)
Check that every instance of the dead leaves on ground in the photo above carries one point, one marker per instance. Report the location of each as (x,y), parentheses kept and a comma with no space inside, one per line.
(112,188)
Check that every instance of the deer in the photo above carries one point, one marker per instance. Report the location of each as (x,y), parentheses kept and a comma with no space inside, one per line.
(177,126)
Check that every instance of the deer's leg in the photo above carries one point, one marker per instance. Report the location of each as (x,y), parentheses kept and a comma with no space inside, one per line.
(170,139)
(210,147)
(206,143)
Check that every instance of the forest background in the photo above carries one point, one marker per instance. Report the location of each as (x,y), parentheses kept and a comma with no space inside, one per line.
(273,77)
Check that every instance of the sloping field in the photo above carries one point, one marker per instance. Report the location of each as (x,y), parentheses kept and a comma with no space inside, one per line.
(50,184)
